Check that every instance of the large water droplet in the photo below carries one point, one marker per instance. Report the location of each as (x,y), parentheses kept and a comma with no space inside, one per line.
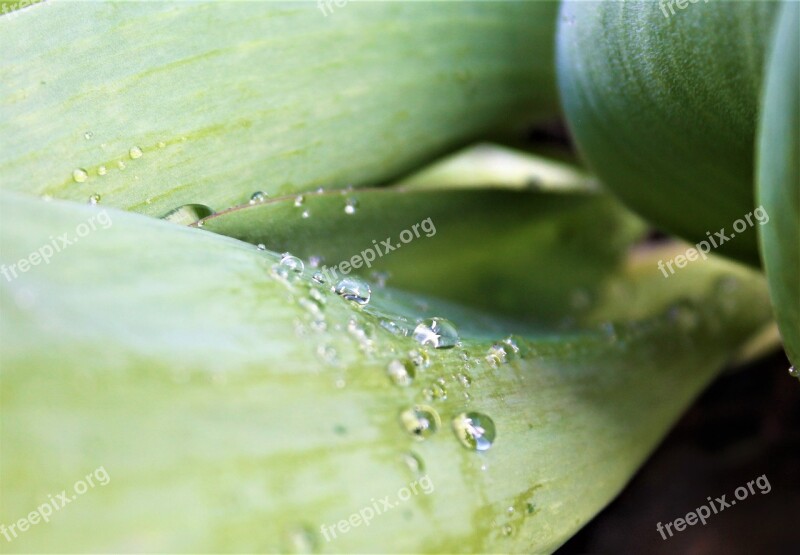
(401,372)
(79,175)
(258,196)
(350,206)
(436,332)
(188,214)
(354,289)
(135,152)
(420,421)
(474,430)
(292,263)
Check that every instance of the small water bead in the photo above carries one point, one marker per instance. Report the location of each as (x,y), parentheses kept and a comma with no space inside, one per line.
(305,214)
(496,355)
(353,289)
(464,380)
(292,263)
(474,430)
(79,175)
(327,354)
(121,165)
(507,530)
(414,463)
(350,206)
(435,392)
(261,247)
(794,372)
(420,421)
(102,170)
(258,196)
(436,332)
(421,358)
(319,277)
(393,327)
(94,199)
(299,200)
(301,540)
(188,214)
(162,144)
(88,135)
(135,152)
(401,372)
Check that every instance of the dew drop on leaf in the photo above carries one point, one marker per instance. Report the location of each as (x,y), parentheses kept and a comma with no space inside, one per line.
(436,332)
(474,430)
(401,372)
(420,421)
(188,214)
(135,152)
(258,196)
(79,175)
(353,289)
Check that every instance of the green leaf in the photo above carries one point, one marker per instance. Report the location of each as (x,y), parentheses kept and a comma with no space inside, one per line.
(664,109)
(225,99)
(518,253)
(779,177)
(237,410)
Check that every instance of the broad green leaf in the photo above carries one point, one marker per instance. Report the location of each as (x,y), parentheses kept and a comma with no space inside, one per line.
(779,177)
(152,105)
(664,108)
(519,253)
(236,410)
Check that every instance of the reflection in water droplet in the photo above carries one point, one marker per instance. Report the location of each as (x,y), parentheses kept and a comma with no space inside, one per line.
(350,206)
(94,199)
(292,263)
(79,175)
(414,463)
(401,372)
(188,214)
(135,152)
(420,421)
(436,332)
(354,289)
(474,430)
(258,196)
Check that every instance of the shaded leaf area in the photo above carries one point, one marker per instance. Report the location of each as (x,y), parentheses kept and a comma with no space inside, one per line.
(541,255)
(779,177)
(152,105)
(665,109)
(239,407)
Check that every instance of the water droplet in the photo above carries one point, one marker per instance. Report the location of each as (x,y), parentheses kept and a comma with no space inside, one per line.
(102,170)
(474,430)
(327,353)
(421,359)
(299,200)
(436,332)
(401,372)
(88,135)
(301,540)
(258,196)
(496,355)
(188,214)
(350,206)
(319,277)
(305,214)
(435,392)
(464,380)
(94,199)
(414,463)
(420,421)
(135,152)
(510,510)
(353,289)
(507,530)
(162,144)
(393,327)
(292,263)
(261,247)
(121,165)
(794,372)
(79,175)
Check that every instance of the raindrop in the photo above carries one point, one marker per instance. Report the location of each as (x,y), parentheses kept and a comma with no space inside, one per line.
(496,355)
(299,200)
(414,463)
(420,421)
(162,144)
(350,206)
(102,170)
(292,263)
(188,214)
(305,214)
(353,289)
(121,165)
(794,372)
(435,392)
(261,247)
(88,135)
(79,175)
(474,430)
(94,199)
(420,358)
(319,277)
(401,372)
(258,196)
(464,380)
(135,152)
(436,332)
